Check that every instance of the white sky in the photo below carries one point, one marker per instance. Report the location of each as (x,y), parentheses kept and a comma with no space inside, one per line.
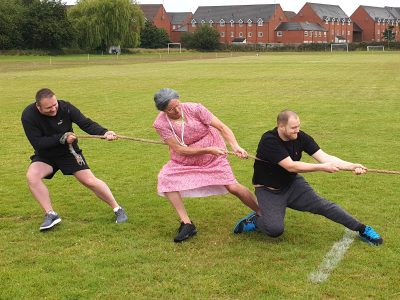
(349,6)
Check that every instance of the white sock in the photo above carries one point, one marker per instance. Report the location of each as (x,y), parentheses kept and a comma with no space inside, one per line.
(116,208)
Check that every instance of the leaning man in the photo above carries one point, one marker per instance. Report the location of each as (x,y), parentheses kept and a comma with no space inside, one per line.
(278,184)
(48,126)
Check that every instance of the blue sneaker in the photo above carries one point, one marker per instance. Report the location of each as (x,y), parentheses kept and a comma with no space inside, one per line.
(246,224)
(370,236)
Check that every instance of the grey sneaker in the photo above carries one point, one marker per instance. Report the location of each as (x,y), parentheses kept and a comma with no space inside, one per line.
(121,216)
(50,219)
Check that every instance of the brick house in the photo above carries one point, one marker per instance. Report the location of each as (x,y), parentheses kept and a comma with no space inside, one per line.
(338,25)
(300,32)
(253,23)
(373,22)
(179,21)
(156,14)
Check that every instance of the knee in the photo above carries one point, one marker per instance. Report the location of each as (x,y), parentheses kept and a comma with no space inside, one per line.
(32,177)
(232,188)
(272,230)
(90,182)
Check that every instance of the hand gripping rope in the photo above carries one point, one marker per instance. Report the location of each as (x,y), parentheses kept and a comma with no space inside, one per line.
(147,141)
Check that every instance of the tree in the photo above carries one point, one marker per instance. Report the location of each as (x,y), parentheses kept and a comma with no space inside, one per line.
(100,24)
(46,25)
(153,37)
(205,38)
(11,17)
(389,34)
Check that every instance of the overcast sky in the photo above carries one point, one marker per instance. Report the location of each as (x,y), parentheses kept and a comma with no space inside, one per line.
(349,6)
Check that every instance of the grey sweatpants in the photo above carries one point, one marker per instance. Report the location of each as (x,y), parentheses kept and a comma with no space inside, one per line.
(299,196)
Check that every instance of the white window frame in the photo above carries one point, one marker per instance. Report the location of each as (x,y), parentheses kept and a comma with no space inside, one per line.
(222,34)
(260,34)
(232,23)
(240,23)
(250,34)
(260,23)
(249,23)
(306,33)
(222,22)
(232,34)
(240,34)
(279,33)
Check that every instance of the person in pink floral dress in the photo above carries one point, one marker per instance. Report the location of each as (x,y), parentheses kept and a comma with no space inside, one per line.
(198,165)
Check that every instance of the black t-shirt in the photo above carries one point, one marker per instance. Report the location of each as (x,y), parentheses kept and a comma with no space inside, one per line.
(44,132)
(273,149)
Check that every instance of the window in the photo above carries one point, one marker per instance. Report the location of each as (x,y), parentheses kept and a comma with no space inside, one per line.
(222,34)
(232,34)
(260,23)
(211,22)
(193,23)
(232,23)
(324,33)
(240,34)
(222,23)
(250,34)
(349,22)
(378,32)
(240,23)
(249,23)
(173,27)
(326,21)
(333,21)
(319,34)
(310,34)
(279,33)
(305,33)
(348,32)
(203,22)
(260,34)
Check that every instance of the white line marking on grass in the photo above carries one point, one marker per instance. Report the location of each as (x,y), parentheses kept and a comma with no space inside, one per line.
(333,257)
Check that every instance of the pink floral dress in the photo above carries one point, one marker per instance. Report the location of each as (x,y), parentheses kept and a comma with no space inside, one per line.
(199,175)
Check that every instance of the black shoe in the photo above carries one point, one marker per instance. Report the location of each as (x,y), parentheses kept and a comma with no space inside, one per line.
(185,231)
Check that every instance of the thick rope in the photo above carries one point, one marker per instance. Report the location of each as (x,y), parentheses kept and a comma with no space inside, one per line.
(147,141)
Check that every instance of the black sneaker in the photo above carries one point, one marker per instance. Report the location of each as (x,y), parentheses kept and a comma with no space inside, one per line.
(50,219)
(185,231)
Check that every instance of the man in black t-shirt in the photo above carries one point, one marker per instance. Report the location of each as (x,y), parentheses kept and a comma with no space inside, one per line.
(278,184)
(48,126)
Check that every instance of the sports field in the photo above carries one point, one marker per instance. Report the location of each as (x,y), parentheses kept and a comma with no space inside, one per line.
(349,102)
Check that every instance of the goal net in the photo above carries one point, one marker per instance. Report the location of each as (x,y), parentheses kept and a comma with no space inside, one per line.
(340,47)
(376,48)
(174,47)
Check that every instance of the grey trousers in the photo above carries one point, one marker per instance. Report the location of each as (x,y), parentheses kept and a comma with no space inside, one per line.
(299,196)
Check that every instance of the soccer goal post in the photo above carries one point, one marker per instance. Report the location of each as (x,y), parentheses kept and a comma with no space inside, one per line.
(376,48)
(340,47)
(170,46)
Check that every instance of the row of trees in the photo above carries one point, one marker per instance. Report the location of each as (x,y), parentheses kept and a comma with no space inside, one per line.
(91,24)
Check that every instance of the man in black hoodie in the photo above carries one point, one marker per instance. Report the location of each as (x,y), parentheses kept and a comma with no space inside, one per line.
(48,126)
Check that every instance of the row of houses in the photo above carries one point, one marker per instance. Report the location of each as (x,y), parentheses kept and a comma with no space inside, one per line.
(269,23)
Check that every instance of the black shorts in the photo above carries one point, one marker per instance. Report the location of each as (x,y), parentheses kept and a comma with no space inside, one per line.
(66,163)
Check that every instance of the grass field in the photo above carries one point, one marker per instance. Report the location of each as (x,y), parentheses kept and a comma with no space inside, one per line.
(349,102)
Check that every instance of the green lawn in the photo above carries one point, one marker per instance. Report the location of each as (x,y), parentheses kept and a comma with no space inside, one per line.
(349,102)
